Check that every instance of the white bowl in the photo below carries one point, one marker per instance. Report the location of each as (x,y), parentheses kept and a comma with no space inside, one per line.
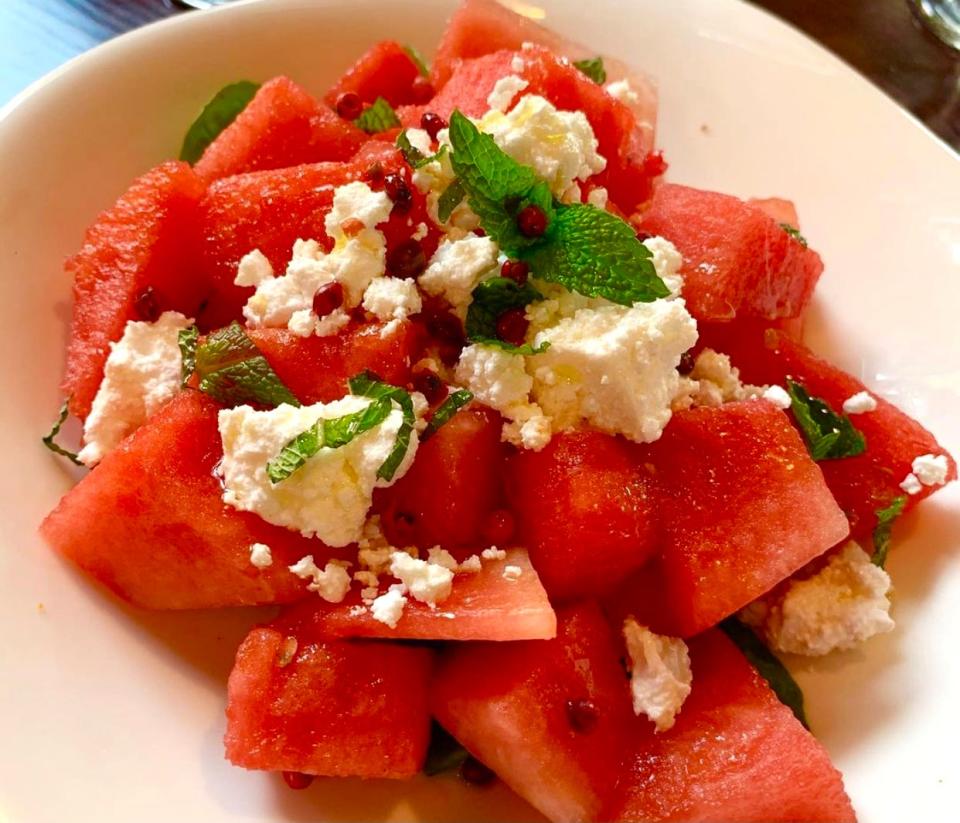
(108,714)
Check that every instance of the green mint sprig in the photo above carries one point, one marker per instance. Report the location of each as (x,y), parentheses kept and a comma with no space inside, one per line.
(593,68)
(491,299)
(445,411)
(219,113)
(187,340)
(794,233)
(414,54)
(50,439)
(451,198)
(881,533)
(416,158)
(368,384)
(377,117)
(829,436)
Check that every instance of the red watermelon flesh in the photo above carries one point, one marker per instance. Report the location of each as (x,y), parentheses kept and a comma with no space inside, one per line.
(507,703)
(454,483)
(336,708)
(283,125)
(742,506)
(776,208)
(737,260)
(384,70)
(585,510)
(482,606)
(735,753)
(144,241)
(631,170)
(861,484)
(149,522)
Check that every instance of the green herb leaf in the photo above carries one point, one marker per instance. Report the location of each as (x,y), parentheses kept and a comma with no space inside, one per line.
(497,186)
(881,533)
(451,198)
(219,113)
(593,68)
(330,434)
(417,58)
(594,252)
(447,409)
(377,117)
(187,340)
(768,666)
(445,752)
(368,384)
(233,371)
(416,158)
(492,298)
(794,233)
(48,441)
(829,435)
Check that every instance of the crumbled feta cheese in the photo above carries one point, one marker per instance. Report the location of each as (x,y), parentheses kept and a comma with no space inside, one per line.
(517,63)
(388,607)
(254,269)
(457,267)
(441,557)
(911,484)
(533,432)
(420,232)
(621,90)
(860,403)
(367,579)
(142,372)
(841,606)
(420,140)
(660,673)
(260,555)
(512,573)
(493,553)
(504,90)
(471,565)
(332,582)
(427,582)
(329,496)
(391,298)
(497,378)
(778,396)
(356,201)
(369,594)
(931,469)
(667,261)
(560,146)
(717,381)
(598,197)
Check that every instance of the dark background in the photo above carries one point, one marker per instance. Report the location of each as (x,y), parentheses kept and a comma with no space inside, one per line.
(880,38)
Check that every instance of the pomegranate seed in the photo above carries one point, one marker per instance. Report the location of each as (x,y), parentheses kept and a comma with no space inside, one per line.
(398,191)
(582,715)
(643,235)
(473,771)
(432,123)
(422,91)
(146,305)
(327,298)
(374,173)
(297,780)
(686,363)
(498,527)
(445,328)
(515,270)
(512,326)
(406,260)
(349,105)
(532,221)
(430,386)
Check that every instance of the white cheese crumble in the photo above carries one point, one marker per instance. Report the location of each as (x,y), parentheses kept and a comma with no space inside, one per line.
(667,261)
(457,267)
(260,555)
(911,484)
(715,381)
(512,573)
(471,565)
(427,582)
(254,269)
(860,403)
(660,673)
(493,553)
(517,63)
(504,90)
(497,378)
(332,582)
(598,197)
(778,396)
(142,372)
(621,90)
(441,557)
(390,298)
(388,607)
(931,469)
(329,496)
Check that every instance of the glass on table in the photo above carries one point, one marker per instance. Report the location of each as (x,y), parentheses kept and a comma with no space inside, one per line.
(942,17)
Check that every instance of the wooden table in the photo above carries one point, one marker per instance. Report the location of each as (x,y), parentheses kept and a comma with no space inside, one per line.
(880,38)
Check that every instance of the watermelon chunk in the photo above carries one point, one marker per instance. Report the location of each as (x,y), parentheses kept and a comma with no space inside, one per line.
(481,606)
(453,485)
(507,703)
(735,753)
(144,241)
(150,525)
(776,208)
(742,506)
(283,125)
(384,70)
(861,484)
(737,260)
(337,708)
(584,510)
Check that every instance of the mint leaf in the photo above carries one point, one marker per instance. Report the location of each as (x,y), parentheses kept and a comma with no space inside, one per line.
(594,252)
(219,113)
(418,60)
(768,666)
(497,186)
(377,117)
(881,533)
(794,233)
(368,384)
(451,198)
(416,158)
(233,371)
(829,435)
(48,441)
(445,752)
(447,409)
(492,298)
(593,68)
(187,340)
(330,434)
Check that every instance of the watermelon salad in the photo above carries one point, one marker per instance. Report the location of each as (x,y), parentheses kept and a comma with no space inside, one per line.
(520,438)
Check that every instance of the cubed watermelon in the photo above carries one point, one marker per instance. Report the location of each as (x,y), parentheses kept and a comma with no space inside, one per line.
(737,260)
(735,753)
(482,606)
(149,522)
(141,247)
(453,485)
(742,506)
(327,707)
(551,717)
(283,125)
(385,70)
(861,484)
(585,511)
